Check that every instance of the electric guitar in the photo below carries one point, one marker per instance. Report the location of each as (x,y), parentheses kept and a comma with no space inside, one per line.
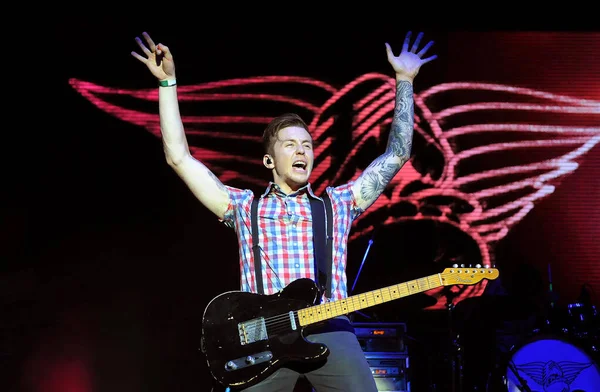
(247,336)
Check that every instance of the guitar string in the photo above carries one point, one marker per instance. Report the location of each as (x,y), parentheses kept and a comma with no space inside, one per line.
(282,321)
(276,323)
(270,321)
(272,324)
(284,318)
(279,322)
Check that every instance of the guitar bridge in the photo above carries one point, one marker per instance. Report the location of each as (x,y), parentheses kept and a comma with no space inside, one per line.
(252,331)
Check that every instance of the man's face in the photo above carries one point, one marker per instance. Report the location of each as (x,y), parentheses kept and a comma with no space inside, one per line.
(293,158)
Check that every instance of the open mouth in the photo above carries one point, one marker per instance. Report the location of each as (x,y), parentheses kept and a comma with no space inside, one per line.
(299,166)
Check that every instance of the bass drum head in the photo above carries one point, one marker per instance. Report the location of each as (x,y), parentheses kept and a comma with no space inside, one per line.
(551,363)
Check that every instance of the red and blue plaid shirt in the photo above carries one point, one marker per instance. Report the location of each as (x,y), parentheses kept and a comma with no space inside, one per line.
(285,236)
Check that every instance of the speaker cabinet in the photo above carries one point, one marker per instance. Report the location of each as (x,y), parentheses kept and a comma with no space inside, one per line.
(390,372)
(386,353)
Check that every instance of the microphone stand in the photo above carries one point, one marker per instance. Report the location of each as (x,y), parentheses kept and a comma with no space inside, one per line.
(360,270)
(361,264)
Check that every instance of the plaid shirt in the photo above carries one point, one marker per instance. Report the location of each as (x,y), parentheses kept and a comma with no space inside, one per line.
(285,235)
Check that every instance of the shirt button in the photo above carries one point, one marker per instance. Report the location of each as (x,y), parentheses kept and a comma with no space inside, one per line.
(297,265)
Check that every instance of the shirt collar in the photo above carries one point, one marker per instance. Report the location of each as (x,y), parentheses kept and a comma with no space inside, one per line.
(274,188)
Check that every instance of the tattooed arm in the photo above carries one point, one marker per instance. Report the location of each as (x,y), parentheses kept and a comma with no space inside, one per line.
(371,183)
(199,179)
(380,172)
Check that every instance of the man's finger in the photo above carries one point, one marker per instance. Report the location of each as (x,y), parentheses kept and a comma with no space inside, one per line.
(388,50)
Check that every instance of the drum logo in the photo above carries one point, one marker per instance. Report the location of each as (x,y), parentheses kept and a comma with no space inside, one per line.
(551,375)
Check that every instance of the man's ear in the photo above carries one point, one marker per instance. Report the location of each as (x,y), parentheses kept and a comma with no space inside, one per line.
(268,162)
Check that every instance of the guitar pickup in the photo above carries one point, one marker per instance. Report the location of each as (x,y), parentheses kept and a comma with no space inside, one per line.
(252,331)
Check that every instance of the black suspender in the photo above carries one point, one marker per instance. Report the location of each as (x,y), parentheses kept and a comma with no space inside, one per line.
(329,248)
(255,245)
(322,243)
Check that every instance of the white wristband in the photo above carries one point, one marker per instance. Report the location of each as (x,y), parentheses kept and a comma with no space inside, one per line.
(167,83)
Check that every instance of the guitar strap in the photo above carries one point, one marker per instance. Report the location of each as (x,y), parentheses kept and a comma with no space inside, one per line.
(322,217)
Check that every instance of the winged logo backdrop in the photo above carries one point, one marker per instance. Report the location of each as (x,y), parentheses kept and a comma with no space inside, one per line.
(105,255)
(484,154)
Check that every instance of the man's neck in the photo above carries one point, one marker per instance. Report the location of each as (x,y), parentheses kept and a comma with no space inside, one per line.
(288,190)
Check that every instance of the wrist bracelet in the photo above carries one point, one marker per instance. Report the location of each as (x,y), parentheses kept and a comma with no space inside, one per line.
(167,83)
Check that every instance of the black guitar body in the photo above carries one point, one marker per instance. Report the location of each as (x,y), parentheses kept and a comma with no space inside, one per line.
(253,335)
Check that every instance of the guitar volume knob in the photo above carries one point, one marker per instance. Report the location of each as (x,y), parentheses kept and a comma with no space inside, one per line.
(230,365)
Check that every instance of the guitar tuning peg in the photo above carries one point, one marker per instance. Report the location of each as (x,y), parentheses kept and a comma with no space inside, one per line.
(470,265)
(454,265)
(477,265)
(462,266)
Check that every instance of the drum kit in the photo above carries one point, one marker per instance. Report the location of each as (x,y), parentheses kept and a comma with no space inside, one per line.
(563,356)
(557,349)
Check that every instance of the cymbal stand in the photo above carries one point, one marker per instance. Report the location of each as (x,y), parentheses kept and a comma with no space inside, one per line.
(523,387)
(456,360)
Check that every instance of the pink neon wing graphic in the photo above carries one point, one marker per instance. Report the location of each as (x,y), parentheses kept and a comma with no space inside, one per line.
(537,138)
(223,120)
(505,148)
(521,141)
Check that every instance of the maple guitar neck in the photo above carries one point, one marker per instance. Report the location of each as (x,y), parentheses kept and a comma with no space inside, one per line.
(450,276)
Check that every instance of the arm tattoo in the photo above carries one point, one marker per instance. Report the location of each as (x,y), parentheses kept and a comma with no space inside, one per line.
(401,133)
(217,181)
(378,175)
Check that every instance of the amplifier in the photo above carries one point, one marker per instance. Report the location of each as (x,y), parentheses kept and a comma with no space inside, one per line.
(386,352)
(381,338)
(390,372)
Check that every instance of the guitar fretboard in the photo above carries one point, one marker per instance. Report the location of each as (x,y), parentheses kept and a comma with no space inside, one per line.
(317,313)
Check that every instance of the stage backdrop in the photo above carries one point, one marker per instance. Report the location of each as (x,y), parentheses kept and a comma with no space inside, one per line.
(503,174)
(493,143)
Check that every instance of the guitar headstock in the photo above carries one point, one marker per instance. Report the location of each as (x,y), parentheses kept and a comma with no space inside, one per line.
(468,275)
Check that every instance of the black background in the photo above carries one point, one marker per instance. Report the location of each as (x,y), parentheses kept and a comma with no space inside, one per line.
(108,261)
